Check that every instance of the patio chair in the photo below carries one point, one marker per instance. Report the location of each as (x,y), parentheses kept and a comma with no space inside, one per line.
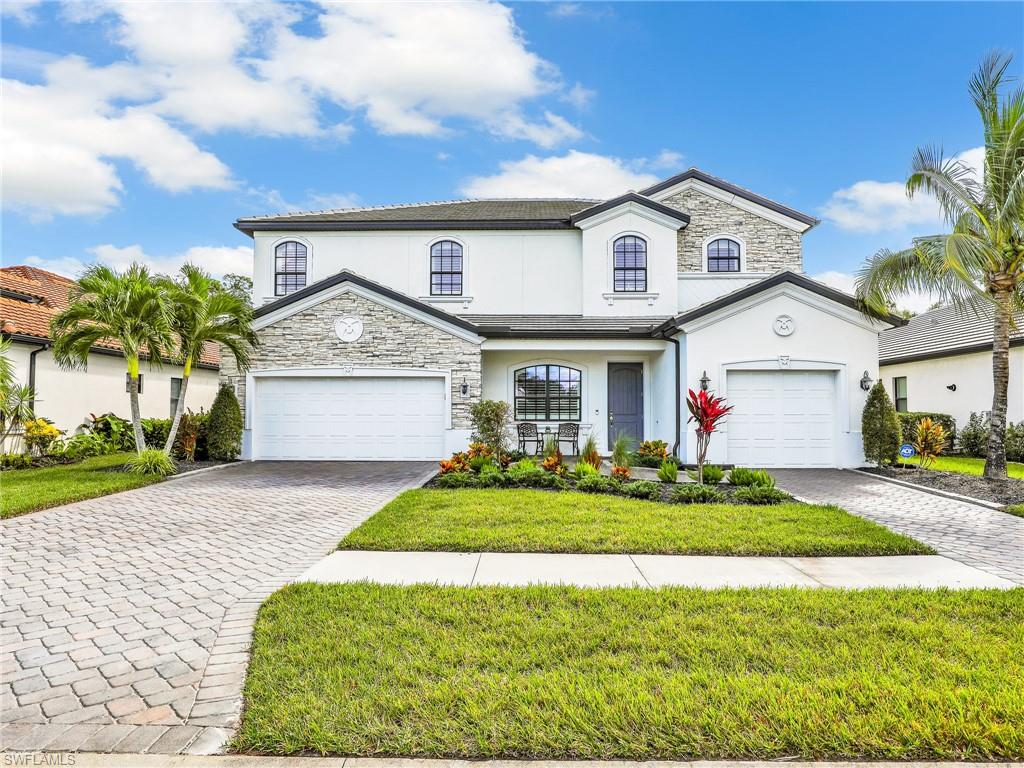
(569,433)
(528,434)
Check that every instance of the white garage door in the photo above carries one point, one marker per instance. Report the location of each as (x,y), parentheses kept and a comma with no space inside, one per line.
(349,418)
(781,418)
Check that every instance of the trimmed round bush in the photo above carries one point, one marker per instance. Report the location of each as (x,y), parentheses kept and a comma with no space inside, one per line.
(224,427)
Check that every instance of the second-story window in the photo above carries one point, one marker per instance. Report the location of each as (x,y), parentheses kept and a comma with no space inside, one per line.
(630,256)
(446,268)
(289,267)
(723,255)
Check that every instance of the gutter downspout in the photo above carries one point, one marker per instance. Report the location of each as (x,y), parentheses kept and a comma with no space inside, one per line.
(32,373)
(679,383)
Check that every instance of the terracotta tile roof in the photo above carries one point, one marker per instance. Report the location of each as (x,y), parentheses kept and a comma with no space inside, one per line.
(48,295)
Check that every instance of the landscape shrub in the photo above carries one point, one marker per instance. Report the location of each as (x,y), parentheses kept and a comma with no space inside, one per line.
(549,480)
(643,489)
(491,420)
(974,436)
(15,460)
(202,434)
(620,457)
(713,474)
(459,462)
(525,473)
(187,439)
(456,480)
(929,441)
(39,434)
(1015,441)
(668,472)
(910,419)
(480,461)
(598,484)
(589,453)
(755,494)
(155,432)
(583,469)
(881,432)
(656,448)
(84,446)
(697,494)
(152,461)
(751,477)
(224,429)
(491,477)
(114,430)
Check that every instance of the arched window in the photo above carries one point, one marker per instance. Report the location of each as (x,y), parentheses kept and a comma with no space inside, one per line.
(630,254)
(446,268)
(723,255)
(289,267)
(548,393)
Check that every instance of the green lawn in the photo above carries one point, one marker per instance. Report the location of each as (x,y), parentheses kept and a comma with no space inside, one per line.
(538,521)
(969,465)
(567,673)
(28,490)
(1015,509)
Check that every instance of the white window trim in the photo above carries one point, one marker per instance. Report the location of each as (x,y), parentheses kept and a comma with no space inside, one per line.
(720,236)
(272,266)
(611,295)
(510,394)
(464,298)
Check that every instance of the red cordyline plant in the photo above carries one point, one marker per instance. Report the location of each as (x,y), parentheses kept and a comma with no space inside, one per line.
(706,410)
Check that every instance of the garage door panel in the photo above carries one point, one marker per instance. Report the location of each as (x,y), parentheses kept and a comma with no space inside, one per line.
(781,418)
(349,418)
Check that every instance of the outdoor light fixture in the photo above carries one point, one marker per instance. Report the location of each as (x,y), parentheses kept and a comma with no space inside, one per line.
(866,381)
(464,389)
(704,381)
(951,387)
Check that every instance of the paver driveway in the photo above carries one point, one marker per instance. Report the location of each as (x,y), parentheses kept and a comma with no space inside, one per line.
(126,619)
(983,538)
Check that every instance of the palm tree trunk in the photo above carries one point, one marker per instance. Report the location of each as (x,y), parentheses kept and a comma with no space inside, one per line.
(995,460)
(179,408)
(133,396)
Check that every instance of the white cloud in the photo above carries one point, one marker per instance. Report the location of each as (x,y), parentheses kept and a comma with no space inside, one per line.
(273,200)
(877,206)
(21,10)
(844,281)
(218,260)
(409,68)
(575,174)
(579,96)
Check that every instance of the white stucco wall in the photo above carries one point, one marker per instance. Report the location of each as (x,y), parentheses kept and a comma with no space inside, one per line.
(927,382)
(827,336)
(68,397)
(696,288)
(592,359)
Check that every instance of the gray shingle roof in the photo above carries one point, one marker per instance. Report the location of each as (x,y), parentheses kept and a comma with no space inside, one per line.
(942,332)
(570,325)
(447,212)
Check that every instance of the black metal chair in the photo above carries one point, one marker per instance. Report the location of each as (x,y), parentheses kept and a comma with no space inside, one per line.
(569,433)
(528,434)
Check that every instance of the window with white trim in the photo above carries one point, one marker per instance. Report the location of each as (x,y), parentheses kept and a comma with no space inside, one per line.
(630,264)
(446,268)
(723,255)
(548,393)
(289,267)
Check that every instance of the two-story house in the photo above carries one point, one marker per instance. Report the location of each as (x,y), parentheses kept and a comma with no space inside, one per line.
(380,327)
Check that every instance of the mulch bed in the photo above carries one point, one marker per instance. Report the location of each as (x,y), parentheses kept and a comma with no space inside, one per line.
(998,491)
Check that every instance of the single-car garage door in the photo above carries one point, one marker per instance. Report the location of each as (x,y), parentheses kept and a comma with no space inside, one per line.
(349,418)
(781,418)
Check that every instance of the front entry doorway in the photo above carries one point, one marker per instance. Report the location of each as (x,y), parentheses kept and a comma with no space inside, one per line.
(625,402)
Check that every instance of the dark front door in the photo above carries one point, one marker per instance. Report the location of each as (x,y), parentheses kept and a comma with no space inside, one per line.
(625,401)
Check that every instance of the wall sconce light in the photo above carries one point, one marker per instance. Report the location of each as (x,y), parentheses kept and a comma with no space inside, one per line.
(464,389)
(705,380)
(951,387)
(866,381)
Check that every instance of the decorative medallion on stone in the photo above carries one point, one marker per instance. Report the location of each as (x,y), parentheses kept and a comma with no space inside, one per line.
(783,325)
(783,361)
(349,329)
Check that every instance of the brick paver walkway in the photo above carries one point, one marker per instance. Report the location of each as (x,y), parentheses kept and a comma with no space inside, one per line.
(984,538)
(126,620)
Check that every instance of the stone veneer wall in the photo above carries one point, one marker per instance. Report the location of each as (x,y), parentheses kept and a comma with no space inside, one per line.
(770,246)
(390,340)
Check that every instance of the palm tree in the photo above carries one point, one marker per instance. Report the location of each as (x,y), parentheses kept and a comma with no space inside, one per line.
(982,260)
(202,311)
(129,308)
(16,400)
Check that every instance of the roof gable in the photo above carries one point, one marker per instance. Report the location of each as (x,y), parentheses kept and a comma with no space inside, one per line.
(678,218)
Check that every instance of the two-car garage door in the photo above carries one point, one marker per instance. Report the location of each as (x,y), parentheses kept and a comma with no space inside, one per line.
(781,418)
(399,418)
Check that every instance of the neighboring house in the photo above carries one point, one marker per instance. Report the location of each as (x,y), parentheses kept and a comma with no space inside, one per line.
(29,298)
(380,327)
(941,361)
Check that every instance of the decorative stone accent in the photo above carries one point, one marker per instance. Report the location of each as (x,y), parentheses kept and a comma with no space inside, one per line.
(389,339)
(770,247)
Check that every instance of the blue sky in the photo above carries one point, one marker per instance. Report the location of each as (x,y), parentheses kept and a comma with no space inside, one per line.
(141,131)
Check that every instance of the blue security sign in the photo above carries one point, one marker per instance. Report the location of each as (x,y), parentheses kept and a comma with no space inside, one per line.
(907,451)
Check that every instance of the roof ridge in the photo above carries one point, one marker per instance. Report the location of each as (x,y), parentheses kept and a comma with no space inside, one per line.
(396,206)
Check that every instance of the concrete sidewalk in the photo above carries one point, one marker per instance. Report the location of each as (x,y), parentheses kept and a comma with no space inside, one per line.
(519,569)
